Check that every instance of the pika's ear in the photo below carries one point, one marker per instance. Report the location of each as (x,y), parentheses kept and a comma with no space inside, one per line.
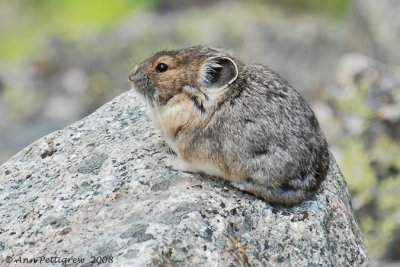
(218,72)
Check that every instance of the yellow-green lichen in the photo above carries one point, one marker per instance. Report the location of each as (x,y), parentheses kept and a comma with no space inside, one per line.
(355,103)
(356,168)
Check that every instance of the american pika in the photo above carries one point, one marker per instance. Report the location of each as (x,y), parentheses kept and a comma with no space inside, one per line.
(243,123)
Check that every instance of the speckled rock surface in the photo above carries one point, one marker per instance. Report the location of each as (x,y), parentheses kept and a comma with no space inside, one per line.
(100,189)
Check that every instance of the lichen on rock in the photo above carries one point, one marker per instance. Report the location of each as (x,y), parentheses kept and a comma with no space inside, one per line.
(365,104)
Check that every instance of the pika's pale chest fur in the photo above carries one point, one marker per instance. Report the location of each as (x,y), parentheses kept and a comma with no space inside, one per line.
(243,123)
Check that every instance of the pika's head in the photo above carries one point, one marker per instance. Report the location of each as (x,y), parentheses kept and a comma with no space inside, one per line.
(201,72)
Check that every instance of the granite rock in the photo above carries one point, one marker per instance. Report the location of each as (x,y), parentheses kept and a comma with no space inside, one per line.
(99,189)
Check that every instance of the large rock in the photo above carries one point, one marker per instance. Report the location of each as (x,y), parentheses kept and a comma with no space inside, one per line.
(99,188)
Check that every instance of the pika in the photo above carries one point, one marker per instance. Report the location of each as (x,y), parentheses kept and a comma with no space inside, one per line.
(243,123)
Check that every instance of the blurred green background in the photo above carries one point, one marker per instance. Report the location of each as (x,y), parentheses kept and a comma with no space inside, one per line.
(27,23)
(60,60)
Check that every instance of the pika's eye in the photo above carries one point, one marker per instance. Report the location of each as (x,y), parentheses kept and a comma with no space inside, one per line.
(162,67)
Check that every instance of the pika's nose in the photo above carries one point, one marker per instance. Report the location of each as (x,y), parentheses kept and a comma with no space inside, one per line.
(132,73)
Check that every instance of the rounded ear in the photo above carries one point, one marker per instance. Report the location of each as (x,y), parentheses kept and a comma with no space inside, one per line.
(218,72)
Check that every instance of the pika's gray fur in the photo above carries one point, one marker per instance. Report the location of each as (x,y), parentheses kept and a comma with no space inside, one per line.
(241,122)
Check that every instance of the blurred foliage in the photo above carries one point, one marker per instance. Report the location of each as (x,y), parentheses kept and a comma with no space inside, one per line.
(331,8)
(26,24)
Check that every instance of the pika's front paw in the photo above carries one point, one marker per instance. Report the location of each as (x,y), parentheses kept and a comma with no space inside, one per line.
(177,164)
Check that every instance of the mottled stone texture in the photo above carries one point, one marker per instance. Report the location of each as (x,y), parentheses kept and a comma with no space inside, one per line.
(100,188)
